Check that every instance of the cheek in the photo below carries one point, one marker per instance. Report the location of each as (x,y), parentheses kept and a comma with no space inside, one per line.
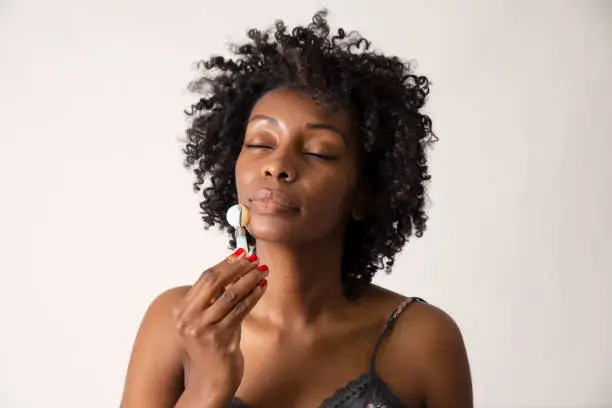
(242,176)
(334,195)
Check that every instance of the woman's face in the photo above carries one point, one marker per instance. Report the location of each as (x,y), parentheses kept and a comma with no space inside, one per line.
(297,170)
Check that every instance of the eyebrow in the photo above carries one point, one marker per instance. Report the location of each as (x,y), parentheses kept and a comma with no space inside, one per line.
(308,125)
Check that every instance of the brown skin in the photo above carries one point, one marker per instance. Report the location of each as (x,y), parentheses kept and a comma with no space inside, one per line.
(297,340)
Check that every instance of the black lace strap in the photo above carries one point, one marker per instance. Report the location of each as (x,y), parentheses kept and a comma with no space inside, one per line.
(388,326)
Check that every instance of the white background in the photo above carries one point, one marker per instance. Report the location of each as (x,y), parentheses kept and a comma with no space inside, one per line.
(97,215)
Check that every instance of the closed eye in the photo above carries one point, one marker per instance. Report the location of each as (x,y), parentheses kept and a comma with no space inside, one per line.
(258,146)
(320,156)
(317,155)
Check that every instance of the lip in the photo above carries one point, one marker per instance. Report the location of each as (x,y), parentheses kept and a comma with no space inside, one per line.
(269,201)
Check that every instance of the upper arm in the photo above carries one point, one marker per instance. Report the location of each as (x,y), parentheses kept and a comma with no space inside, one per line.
(155,372)
(431,344)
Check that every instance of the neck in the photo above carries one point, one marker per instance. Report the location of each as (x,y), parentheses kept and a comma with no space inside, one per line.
(303,283)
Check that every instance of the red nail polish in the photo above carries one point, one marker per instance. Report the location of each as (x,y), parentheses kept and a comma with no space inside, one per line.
(238,252)
(252,258)
(263,283)
(262,268)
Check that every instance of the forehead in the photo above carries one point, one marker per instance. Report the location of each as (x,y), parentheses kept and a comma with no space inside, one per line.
(296,107)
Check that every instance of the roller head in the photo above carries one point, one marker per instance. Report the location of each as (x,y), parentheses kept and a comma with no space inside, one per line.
(237,216)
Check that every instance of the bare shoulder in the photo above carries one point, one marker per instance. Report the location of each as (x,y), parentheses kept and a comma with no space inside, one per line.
(166,301)
(424,326)
(425,355)
(158,321)
(155,371)
(159,316)
(419,324)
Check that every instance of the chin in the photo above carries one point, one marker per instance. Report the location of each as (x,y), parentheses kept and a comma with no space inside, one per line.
(275,230)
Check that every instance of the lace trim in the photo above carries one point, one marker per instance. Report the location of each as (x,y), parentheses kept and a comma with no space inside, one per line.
(370,389)
(353,390)
(381,396)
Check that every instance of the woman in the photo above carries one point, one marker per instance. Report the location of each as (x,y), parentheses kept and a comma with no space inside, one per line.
(323,141)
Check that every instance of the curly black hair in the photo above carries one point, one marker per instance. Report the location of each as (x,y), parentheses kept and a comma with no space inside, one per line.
(386,97)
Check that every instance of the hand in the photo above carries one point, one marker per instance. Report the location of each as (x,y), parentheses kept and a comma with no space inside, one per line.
(209,324)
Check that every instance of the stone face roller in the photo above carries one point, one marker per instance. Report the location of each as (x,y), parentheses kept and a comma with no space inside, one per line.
(238,217)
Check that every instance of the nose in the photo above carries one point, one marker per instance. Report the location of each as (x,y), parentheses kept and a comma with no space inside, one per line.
(278,167)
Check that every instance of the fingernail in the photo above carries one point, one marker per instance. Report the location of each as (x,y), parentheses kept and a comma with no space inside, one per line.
(263,283)
(262,268)
(252,258)
(238,252)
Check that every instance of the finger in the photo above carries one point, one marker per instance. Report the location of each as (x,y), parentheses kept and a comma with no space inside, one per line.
(242,308)
(234,294)
(215,280)
(238,254)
